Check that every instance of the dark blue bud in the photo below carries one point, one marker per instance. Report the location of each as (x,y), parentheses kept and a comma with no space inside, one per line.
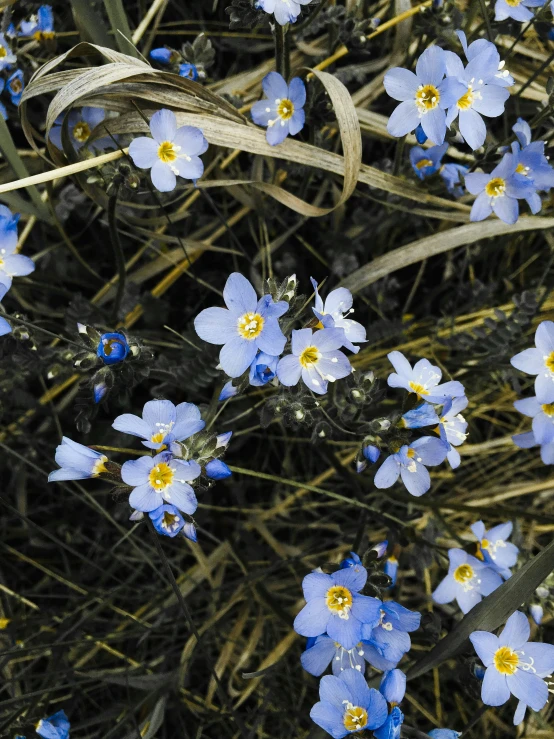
(113,348)
(351,561)
(162,56)
(371,453)
(218,470)
(420,135)
(189,71)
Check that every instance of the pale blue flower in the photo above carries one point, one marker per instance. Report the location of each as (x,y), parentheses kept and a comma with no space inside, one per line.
(452,177)
(393,686)
(467,581)
(501,77)
(493,549)
(7,57)
(162,423)
(171,152)
(444,734)
(542,415)
(323,651)
(410,463)
(385,643)
(516,9)
(161,479)
(11,264)
(540,361)
(77,462)
(80,126)
(537,613)
(263,369)
(423,379)
(333,314)
(285,11)
(5,327)
(453,428)
(425,162)
(167,520)
(41,26)
(283,110)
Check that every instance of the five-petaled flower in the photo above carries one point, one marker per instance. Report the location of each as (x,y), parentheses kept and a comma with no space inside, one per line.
(77,462)
(246,326)
(80,125)
(410,463)
(285,11)
(514,665)
(493,547)
(425,162)
(388,641)
(161,478)
(347,704)
(423,379)
(162,422)
(333,314)
(453,427)
(167,520)
(540,361)
(467,581)
(171,152)
(283,110)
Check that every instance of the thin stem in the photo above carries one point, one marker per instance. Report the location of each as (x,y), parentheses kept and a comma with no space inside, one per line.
(281,61)
(118,251)
(486,18)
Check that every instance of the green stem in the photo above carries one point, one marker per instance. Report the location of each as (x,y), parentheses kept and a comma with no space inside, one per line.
(281,51)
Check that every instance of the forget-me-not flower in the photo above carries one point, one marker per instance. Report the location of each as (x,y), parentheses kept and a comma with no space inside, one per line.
(516,9)
(542,415)
(499,191)
(423,379)
(493,549)
(333,314)
(54,727)
(11,264)
(41,25)
(285,11)
(347,705)
(80,126)
(161,478)
(15,86)
(283,110)
(246,326)
(540,361)
(467,581)
(167,520)
(162,422)
(77,462)
(410,463)
(388,641)
(424,96)
(514,665)
(113,348)
(425,162)
(334,606)
(171,152)
(315,358)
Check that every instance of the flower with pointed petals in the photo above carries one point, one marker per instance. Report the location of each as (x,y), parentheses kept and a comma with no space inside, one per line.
(347,705)
(80,125)
(410,463)
(216,469)
(158,479)
(162,422)
(6,56)
(425,162)
(423,379)
(283,110)
(388,641)
(332,314)
(501,77)
(11,264)
(315,358)
(245,327)
(540,361)
(532,163)
(167,520)
(453,428)
(54,727)
(113,348)
(15,86)
(493,549)
(285,11)
(542,415)
(77,462)
(499,191)
(172,151)
(392,727)
(41,26)
(514,665)
(393,686)
(467,581)
(451,175)
(516,9)
(335,606)
(424,96)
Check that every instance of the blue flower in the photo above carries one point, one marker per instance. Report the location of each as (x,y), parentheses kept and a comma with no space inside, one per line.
(40,26)
(246,326)
(228,391)
(421,136)
(352,561)
(15,86)
(453,428)
(332,314)
(498,191)
(113,348)
(467,581)
(537,613)
(11,264)
(410,463)
(322,651)
(189,531)
(189,71)
(161,478)
(54,727)
(316,358)
(222,440)
(162,55)
(540,361)
(542,415)
(6,56)
(532,163)
(283,110)
(444,734)
(171,152)
(80,126)
(393,686)
(451,174)
(426,162)
(77,462)
(527,440)
(371,453)
(167,520)
(514,665)
(417,418)
(392,727)
(388,641)
(162,422)
(285,11)
(334,606)
(348,705)
(263,369)
(501,77)
(217,470)
(423,379)
(391,569)
(5,327)
(493,549)
(425,96)
(100,390)
(519,11)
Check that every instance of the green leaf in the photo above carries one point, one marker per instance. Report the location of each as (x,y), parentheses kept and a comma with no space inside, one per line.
(491,612)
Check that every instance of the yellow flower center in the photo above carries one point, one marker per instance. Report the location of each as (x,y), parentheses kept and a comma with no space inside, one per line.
(81,132)
(170,521)
(427,98)
(309,357)
(463,573)
(513,3)
(548,409)
(549,362)
(520,169)
(411,453)
(506,661)
(167,152)
(424,163)
(355,718)
(161,477)
(466,101)
(485,544)
(285,109)
(99,466)
(495,187)
(3,52)
(338,598)
(250,325)
(417,388)
(43,35)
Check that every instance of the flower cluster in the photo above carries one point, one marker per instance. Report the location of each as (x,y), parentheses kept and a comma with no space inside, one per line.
(11,264)
(160,482)
(538,361)
(470,578)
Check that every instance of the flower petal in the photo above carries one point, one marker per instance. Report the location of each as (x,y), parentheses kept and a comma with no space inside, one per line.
(529,688)
(289,370)
(388,473)
(312,619)
(162,177)
(239,295)
(216,325)
(144,498)
(401,84)
(516,632)
(494,691)
(163,126)
(485,644)
(275,86)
